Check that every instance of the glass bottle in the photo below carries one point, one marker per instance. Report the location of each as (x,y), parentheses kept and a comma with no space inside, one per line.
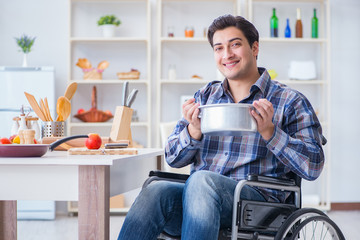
(314,26)
(274,24)
(287,29)
(298,27)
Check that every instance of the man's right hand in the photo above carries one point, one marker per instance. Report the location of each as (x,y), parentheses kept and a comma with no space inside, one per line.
(191,111)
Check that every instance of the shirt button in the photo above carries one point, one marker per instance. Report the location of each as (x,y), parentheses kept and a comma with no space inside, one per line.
(218,170)
(185,142)
(226,153)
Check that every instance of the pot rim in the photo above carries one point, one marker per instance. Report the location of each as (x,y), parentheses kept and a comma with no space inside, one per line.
(227,105)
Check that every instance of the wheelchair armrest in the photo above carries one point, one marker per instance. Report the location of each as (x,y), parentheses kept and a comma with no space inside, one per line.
(165,176)
(169,175)
(265,179)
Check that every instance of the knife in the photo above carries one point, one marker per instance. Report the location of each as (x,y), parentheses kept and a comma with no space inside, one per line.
(125,92)
(131,97)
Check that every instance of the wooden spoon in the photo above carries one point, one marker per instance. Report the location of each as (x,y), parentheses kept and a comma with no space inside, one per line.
(70,90)
(63,108)
(35,106)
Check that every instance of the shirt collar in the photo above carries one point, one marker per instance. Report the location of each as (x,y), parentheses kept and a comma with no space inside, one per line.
(262,84)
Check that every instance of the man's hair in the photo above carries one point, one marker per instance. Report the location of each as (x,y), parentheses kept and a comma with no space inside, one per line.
(222,22)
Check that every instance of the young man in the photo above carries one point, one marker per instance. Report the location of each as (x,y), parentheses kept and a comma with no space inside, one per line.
(288,141)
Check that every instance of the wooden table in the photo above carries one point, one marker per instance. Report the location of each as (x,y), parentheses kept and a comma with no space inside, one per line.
(57,176)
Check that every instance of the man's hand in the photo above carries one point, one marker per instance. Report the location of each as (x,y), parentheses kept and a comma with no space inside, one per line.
(191,112)
(264,117)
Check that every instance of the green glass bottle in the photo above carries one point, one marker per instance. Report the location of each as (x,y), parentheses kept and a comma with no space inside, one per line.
(274,32)
(314,26)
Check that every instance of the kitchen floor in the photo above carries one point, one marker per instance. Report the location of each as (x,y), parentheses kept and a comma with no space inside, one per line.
(65,228)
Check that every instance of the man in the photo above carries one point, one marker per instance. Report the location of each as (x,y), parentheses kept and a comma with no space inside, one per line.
(288,141)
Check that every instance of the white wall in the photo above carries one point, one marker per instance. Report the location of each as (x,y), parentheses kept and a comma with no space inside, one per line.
(48,21)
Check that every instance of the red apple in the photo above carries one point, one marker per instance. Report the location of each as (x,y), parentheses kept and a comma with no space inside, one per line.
(93,142)
(108,112)
(5,141)
(80,111)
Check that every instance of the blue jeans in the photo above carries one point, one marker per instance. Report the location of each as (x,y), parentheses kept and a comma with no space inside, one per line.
(194,210)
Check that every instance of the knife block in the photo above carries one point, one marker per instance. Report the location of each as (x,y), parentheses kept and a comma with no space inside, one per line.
(120,129)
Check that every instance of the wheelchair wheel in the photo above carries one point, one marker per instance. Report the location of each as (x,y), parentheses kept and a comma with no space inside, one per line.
(292,222)
(317,227)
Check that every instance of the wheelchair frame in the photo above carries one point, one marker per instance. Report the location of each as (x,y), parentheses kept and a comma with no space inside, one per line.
(284,218)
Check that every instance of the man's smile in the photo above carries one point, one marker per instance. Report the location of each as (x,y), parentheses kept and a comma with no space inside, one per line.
(230,64)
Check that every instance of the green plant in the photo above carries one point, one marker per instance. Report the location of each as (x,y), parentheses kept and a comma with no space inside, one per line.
(25,43)
(109,19)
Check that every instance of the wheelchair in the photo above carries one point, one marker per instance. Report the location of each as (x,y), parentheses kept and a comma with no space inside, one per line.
(254,220)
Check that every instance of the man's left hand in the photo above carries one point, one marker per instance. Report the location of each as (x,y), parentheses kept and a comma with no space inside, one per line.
(263,117)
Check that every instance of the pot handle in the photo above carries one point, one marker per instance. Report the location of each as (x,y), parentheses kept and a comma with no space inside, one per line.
(60,141)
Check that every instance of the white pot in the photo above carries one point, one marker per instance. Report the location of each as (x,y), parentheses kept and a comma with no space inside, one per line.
(108,30)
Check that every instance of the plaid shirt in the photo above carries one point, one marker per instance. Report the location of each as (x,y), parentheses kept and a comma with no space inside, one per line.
(296,145)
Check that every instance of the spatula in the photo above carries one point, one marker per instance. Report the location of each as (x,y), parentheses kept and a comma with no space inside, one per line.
(35,106)
(63,108)
(47,108)
(70,90)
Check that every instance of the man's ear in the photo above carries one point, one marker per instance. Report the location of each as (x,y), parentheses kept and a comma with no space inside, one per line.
(255,48)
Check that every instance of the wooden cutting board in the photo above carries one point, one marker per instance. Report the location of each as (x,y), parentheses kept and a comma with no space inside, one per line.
(75,143)
(103,151)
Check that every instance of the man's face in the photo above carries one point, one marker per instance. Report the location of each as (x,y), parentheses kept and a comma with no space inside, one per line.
(233,55)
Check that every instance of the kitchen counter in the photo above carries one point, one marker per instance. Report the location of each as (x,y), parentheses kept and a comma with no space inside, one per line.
(83,178)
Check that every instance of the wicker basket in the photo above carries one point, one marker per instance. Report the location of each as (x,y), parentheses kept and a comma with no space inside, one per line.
(94,115)
(92,74)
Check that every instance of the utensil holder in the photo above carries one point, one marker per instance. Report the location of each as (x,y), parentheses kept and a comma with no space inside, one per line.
(120,129)
(53,129)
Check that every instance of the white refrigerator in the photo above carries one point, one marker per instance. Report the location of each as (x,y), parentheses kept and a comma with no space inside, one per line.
(40,82)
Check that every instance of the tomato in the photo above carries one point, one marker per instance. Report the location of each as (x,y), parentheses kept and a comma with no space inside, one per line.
(5,141)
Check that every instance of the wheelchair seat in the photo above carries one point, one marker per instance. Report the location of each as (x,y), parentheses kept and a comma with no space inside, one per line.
(267,220)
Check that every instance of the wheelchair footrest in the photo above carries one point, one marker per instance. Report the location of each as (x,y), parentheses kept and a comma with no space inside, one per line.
(263,216)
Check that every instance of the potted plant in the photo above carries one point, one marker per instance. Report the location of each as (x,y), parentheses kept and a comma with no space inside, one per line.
(25,43)
(108,24)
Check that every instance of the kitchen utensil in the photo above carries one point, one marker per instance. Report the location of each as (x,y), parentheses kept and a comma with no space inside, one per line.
(131,97)
(35,106)
(32,150)
(47,108)
(44,110)
(53,129)
(125,92)
(63,108)
(229,119)
(70,90)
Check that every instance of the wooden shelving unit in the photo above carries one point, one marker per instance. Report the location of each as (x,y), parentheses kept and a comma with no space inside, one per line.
(315,194)
(129,48)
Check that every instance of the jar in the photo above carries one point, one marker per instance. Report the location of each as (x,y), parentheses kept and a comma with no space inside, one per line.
(172,72)
(189,32)
(170,31)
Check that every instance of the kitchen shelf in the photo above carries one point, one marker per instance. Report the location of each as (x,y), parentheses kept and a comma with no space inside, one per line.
(111,81)
(293,40)
(106,124)
(183,39)
(103,39)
